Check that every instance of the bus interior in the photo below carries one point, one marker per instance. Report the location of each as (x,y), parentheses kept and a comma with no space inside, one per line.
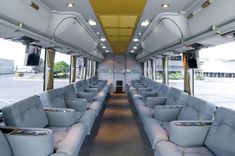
(117,77)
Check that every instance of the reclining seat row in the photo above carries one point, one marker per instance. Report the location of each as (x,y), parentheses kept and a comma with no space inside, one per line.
(68,135)
(61,98)
(67,118)
(179,122)
(218,140)
(157,127)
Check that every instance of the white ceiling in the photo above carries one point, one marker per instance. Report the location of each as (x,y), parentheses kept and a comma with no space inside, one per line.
(152,8)
(84,8)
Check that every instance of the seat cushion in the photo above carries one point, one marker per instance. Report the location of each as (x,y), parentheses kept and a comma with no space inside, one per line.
(155,131)
(221,136)
(5,149)
(88,118)
(26,113)
(69,140)
(166,148)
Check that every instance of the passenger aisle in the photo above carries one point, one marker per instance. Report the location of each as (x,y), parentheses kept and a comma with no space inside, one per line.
(118,134)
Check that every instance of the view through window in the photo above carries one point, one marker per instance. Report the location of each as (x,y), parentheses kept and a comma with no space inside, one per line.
(18,81)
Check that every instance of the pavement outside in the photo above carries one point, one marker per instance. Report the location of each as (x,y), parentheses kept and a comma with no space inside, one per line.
(218,91)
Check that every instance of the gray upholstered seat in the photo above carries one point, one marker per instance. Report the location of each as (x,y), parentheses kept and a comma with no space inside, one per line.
(66,98)
(5,149)
(157,128)
(68,136)
(219,141)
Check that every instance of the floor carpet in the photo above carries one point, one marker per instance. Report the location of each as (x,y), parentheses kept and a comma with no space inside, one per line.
(119,132)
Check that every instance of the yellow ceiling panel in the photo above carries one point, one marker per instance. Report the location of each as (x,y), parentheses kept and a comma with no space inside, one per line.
(118,19)
(119,38)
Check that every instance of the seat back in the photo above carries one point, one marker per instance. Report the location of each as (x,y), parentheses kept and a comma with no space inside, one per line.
(221,136)
(176,97)
(5,149)
(163,91)
(69,92)
(78,86)
(197,109)
(84,83)
(53,98)
(25,113)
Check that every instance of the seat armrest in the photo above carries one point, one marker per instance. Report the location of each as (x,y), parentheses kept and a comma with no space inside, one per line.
(148,94)
(86,95)
(167,113)
(189,133)
(29,141)
(92,90)
(143,89)
(155,101)
(79,105)
(60,117)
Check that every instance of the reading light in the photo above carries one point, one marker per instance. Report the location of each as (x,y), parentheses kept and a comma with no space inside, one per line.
(103,47)
(145,23)
(134,47)
(135,39)
(92,22)
(165,5)
(103,39)
(70,4)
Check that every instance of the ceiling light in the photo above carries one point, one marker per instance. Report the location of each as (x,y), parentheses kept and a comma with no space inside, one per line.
(165,5)
(132,51)
(140,33)
(145,23)
(135,39)
(103,47)
(106,51)
(92,22)
(103,39)
(134,47)
(70,4)
(97,33)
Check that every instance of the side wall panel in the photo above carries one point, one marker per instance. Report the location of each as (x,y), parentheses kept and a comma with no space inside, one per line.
(119,67)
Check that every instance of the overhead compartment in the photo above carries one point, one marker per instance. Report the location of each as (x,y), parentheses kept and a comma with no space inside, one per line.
(165,30)
(73,29)
(212,16)
(65,31)
(31,14)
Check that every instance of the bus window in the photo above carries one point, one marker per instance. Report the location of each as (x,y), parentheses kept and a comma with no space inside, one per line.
(80,65)
(158,70)
(18,81)
(215,78)
(61,70)
(176,72)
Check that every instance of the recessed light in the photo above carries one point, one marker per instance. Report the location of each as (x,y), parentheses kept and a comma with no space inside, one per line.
(135,39)
(106,51)
(97,33)
(92,22)
(134,47)
(140,33)
(70,4)
(132,51)
(145,23)
(103,47)
(165,5)
(103,39)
